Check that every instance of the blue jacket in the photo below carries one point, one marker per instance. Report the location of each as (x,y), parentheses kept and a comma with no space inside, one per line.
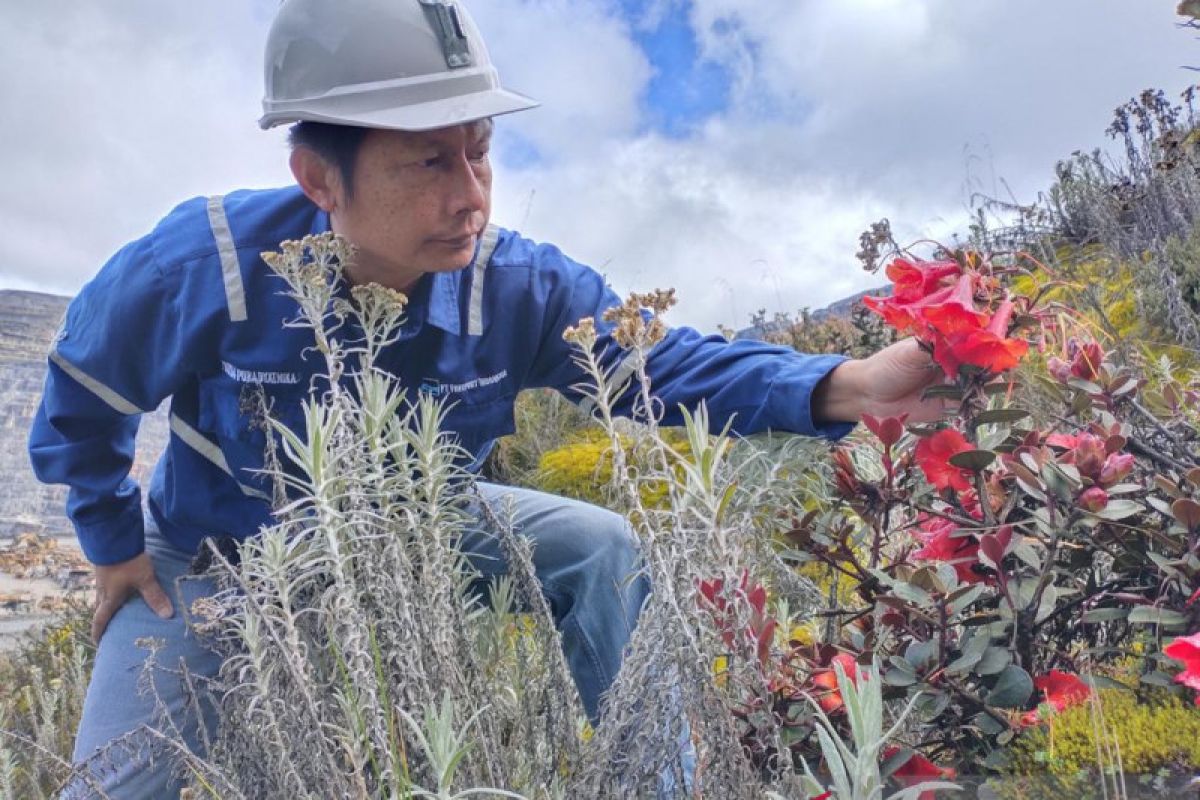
(192,313)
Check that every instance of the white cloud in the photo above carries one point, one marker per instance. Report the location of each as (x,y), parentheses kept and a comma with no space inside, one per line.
(843,112)
(115,112)
(578,59)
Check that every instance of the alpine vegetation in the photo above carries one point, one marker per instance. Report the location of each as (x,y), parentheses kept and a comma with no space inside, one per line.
(364,656)
(361,657)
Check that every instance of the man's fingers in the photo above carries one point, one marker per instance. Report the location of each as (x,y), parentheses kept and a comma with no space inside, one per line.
(156,598)
(105,608)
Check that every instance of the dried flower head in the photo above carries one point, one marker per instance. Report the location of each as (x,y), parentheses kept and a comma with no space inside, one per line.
(583,334)
(637,319)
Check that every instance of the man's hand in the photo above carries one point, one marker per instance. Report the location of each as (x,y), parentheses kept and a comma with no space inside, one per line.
(886,384)
(116,582)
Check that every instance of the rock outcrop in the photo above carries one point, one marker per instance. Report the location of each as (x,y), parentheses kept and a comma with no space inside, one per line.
(28,322)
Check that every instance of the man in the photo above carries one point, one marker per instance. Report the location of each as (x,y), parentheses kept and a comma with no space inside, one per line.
(392,104)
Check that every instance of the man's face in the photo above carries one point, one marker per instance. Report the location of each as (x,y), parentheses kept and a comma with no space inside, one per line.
(420,202)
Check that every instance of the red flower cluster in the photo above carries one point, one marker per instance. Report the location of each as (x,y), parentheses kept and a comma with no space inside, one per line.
(761,627)
(1187,650)
(1083,361)
(943,542)
(1062,690)
(1098,460)
(935,301)
(830,699)
(917,770)
(933,457)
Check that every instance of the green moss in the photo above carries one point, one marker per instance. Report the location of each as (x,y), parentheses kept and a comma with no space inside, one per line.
(1153,731)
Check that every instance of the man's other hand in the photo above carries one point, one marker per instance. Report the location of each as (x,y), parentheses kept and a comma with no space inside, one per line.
(115,583)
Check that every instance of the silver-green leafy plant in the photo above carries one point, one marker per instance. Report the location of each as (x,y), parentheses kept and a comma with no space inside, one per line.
(354,615)
(855,766)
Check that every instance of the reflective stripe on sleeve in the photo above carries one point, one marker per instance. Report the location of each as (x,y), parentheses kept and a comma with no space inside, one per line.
(211,451)
(487,246)
(108,395)
(235,295)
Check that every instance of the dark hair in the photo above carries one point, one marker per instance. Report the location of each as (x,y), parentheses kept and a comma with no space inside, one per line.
(337,144)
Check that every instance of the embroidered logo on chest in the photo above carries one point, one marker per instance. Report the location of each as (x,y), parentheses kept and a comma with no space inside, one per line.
(255,376)
(436,388)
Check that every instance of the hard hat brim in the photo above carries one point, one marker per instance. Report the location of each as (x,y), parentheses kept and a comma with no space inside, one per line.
(428,116)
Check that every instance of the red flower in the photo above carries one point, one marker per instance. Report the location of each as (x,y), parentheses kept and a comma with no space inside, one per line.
(1085,360)
(921,290)
(941,544)
(1090,455)
(1064,440)
(1062,690)
(917,770)
(1116,467)
(1093,499)
(987,348)
(955,311)
(1187,650)
(914,281)
(933,456)
(936,302)
(830,700)
(906,317)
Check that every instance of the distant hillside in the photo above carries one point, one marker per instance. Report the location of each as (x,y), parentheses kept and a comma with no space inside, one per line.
(28,321)
(842,308)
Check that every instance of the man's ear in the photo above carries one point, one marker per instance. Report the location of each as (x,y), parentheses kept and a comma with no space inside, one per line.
(319,179)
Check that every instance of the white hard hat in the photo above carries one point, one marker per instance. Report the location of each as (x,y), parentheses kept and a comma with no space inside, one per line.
(411,65)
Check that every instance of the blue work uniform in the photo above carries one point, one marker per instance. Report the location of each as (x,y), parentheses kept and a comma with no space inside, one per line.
(191,312)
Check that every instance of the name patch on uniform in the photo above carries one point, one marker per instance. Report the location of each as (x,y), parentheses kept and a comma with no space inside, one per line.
(255,376)
(434,387)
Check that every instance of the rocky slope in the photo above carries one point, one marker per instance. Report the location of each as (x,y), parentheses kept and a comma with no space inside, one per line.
(28,321)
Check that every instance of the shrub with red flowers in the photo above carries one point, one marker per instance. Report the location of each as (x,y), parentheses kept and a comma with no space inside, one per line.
(1003,557)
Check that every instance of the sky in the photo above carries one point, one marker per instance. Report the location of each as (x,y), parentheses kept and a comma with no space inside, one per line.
(732,149)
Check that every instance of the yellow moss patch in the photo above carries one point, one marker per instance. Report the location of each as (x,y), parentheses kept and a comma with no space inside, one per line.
(1153,730)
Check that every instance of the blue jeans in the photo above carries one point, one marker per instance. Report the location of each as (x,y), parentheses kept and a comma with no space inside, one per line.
(583,556)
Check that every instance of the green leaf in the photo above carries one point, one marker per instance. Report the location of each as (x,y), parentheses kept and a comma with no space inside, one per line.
(1157,679)
(1001,416)
(1119,509)
(921,655)
(898,677)
(988,724)
(1059,481)
(1104,614)
(931,703)
(973,460)
(1160,505)
(961,599)
(964,662)
(1026,552)
(912,594)
(945,390)
(994,660)
(1148,615)
(1013,688)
